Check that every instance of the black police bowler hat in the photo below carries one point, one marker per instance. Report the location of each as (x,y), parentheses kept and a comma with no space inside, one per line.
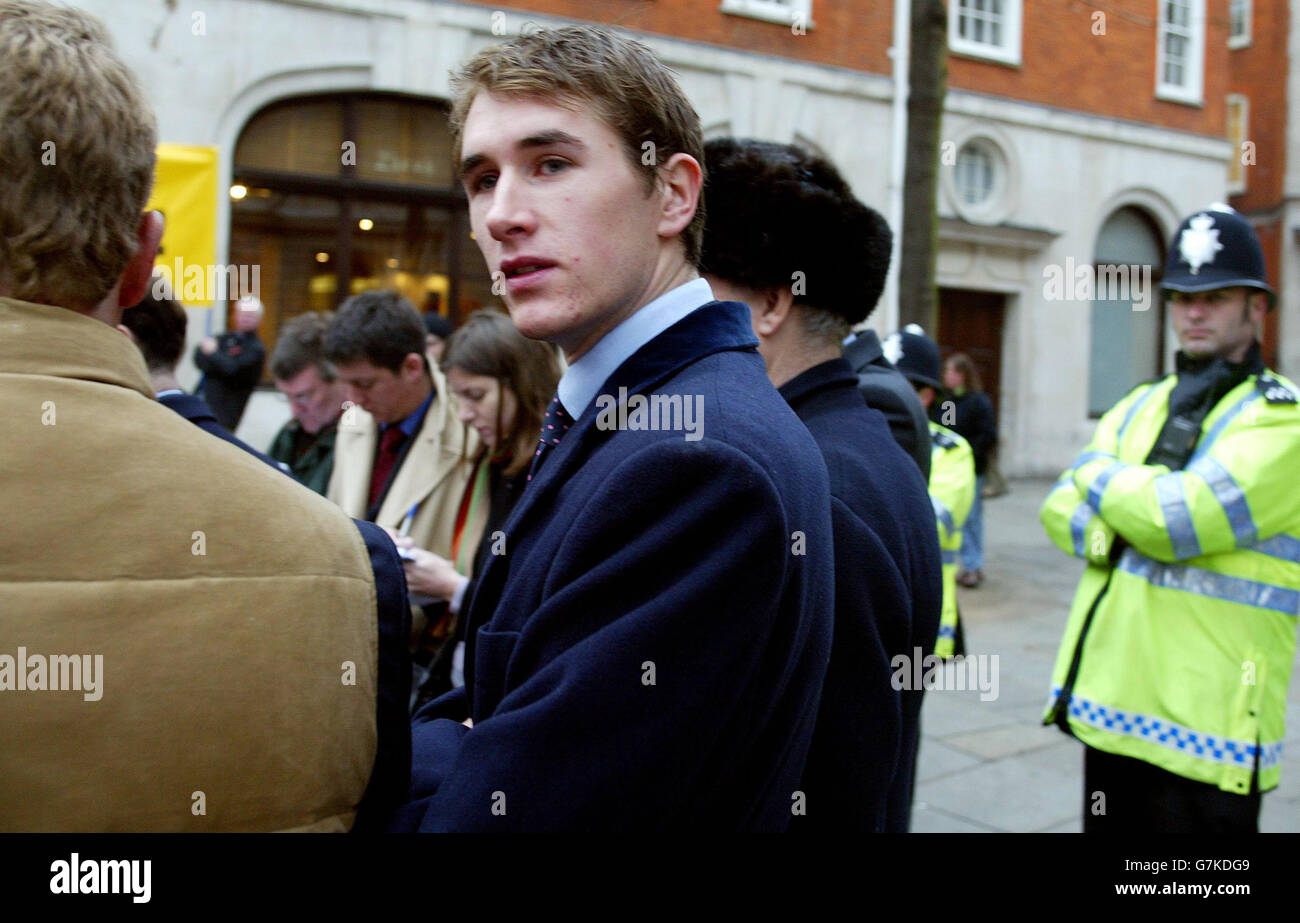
(1215,248)
(915,355)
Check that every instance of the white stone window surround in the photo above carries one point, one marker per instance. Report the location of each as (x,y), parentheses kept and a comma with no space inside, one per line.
(1236,169)
(977,18)
(1181,23)
(993,150)
(1241,23)
(785,12)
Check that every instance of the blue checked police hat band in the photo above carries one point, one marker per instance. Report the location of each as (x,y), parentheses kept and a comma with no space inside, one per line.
(1215,248)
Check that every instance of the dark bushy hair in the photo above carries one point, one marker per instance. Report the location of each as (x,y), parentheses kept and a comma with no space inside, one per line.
(301,342)
(158,325)
(379,327)
(437,325)
(775,210)
(488,344)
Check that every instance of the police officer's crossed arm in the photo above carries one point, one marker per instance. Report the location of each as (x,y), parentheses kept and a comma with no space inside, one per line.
(1237,491)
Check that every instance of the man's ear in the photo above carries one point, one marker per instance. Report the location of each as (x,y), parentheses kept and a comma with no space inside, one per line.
(135,278)
(777,308)
(413,365)
(1256,305)
(680,181)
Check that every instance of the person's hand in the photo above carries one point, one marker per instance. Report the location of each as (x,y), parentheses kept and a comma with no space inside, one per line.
(208,346)
(429,574)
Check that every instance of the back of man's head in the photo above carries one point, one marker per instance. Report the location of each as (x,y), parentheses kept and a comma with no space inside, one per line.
(301,343)
(780,217)
(586,67)
(380,327)
(77,141)
(157,325)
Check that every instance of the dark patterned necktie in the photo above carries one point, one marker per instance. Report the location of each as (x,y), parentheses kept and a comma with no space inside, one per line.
(555,425)
(390,446)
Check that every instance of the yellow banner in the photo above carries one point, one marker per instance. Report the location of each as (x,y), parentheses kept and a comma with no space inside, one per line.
(185,191)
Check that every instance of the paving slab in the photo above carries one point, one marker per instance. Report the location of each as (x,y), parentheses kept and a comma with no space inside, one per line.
(947,713)
(1073,825)
(929,819)
(1008,794)
(1279,816)
(1063,757)
(999,742)
(937,759)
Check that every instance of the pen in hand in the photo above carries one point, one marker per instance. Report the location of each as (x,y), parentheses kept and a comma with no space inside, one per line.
(404,530)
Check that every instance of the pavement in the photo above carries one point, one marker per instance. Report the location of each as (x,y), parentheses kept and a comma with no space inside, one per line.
(986,763)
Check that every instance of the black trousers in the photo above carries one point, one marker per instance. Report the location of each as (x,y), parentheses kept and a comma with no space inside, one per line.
(1142,798)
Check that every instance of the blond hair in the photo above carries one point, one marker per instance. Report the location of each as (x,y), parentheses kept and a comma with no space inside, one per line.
(630,90)
(77,141)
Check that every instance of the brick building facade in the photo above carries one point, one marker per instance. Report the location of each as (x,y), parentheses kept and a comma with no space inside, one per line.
(1075,133)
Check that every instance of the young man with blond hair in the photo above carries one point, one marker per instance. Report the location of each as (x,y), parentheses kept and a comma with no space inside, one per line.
(646,650)
(227,658)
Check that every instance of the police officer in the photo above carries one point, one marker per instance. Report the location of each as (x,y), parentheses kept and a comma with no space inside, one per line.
(1177,654)
(952,472)
(884,389)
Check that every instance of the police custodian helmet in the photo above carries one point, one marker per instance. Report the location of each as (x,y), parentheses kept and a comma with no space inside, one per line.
(915,355)
(1215,248)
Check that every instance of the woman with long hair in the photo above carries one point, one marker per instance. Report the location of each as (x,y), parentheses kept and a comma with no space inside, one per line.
(976,423)
(503,382)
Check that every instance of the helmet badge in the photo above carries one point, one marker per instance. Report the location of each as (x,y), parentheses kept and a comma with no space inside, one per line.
(1199,242)
(892,348)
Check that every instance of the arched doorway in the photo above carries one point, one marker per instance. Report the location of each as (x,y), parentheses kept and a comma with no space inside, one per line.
(334,195)
(1128,343)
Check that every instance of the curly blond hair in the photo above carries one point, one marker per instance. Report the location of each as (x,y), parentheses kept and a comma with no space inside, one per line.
(77,141)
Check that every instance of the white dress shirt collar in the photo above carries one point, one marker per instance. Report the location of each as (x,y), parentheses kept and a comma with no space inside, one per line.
(583,379)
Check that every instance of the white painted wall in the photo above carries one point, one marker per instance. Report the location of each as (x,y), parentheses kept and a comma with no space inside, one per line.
(1069,172)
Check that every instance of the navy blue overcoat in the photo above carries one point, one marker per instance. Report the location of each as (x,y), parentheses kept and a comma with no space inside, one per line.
(649,651)
(888,594)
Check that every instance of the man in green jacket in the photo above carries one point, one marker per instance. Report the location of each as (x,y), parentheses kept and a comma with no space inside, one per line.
(307,379)
(1178,650)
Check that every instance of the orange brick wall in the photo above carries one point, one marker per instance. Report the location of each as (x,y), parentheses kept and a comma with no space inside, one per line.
(854,34)
(1270,240)
(1064,65)
(1259,72)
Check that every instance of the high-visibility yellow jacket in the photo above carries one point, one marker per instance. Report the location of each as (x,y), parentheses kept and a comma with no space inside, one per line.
(952,491)
(1180,652)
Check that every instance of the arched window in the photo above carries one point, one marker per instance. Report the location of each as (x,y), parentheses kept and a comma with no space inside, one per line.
(335,195)
(1128,328)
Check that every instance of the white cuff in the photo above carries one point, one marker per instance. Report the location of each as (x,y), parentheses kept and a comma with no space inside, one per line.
(458,597)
